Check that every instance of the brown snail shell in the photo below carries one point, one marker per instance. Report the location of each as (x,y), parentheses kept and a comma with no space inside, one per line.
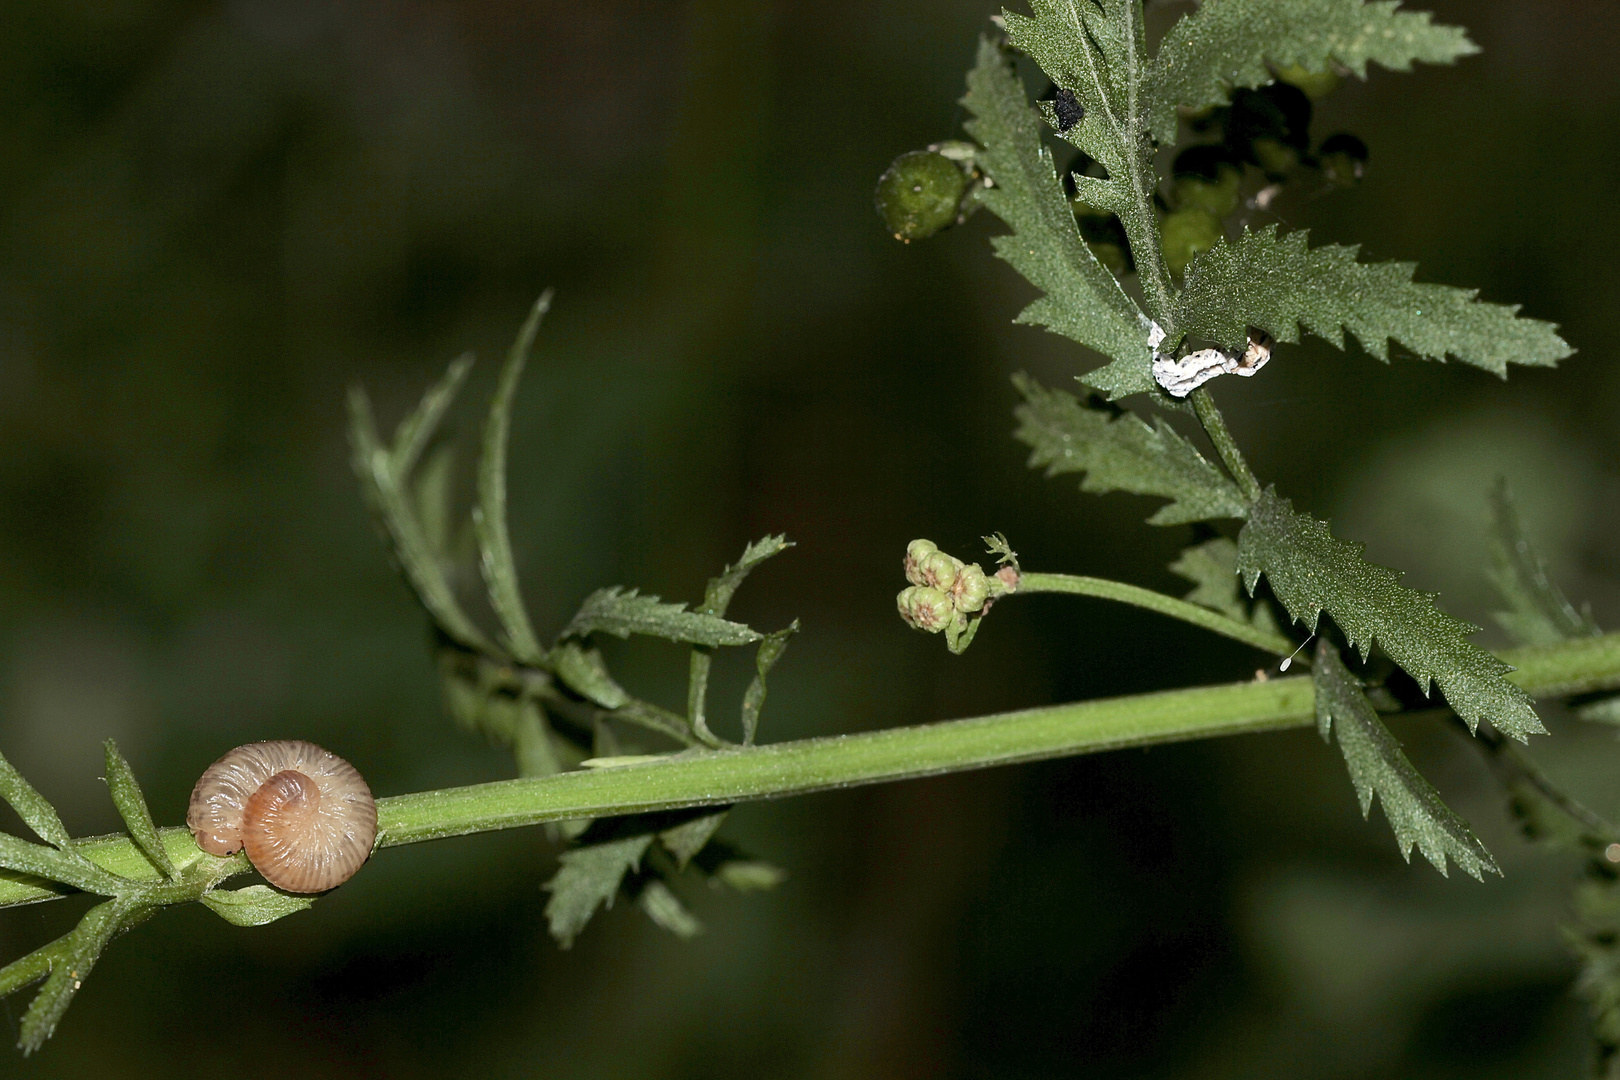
(304,815)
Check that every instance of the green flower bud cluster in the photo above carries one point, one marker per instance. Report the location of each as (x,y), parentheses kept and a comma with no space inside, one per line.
(947,595)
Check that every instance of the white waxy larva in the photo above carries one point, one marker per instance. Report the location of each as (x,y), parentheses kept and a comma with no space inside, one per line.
(304,815)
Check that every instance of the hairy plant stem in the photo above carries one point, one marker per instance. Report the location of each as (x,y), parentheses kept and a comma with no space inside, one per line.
(742,774)
(1215,427)
(1102,588)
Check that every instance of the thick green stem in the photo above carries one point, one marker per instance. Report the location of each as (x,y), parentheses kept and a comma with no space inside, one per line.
(721,777)
(1215,427)
(1075,585)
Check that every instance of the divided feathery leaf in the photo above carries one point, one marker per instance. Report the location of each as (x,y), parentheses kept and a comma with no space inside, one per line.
(1212,568)
(1538,613)
(489,515)
(588,878)
(1279,284)
(716,599)
(65,866)
(770,651)
(417,430)
(1312,571)
(255,905)
(37,813)
(619,612)
(385,492)
(1083,301)
(70,967)
(126,795)
(1225,44)
(1121,453)
(1378,767)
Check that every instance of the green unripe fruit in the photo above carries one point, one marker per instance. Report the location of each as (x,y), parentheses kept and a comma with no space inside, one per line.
(1218,196)
(925,608)
(920,194)
(940,570)
(972,589)
(1316,84)
(916,552)
(1184,234)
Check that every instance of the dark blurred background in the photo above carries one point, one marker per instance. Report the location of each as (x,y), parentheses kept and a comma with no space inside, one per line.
(217,216)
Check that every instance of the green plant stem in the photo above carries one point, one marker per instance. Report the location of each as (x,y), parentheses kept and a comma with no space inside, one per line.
(1102,588)
(721,777)
(1215,427)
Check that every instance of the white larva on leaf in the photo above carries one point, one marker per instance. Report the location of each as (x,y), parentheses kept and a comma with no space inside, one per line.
(1181,376)
(304,815)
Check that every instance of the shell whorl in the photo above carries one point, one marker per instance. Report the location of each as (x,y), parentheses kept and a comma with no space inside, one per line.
(304,815)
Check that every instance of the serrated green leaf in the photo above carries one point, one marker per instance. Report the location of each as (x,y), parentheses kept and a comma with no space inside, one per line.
(1094,49)
(1279,284)
(585,673)
(1377,766)
(71,967)
(622,613)
(1083,301)
(1225,44)
(717,597)
(131,804)
(34,809)
(489,515)
(1121,453)
(255,905)
(417,430)
(417,559)
(663,907)
(1311,571)
(1538,613)
(588,877)
(1212,568)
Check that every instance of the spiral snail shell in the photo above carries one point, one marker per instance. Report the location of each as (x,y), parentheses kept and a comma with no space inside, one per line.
(304,815)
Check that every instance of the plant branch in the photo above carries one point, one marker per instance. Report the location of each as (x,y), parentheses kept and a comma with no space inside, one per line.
(718,778)
(1226,446)
(1102,588)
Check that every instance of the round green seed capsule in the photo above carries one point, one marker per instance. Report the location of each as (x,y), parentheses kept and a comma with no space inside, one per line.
(1184,234)
(920,194)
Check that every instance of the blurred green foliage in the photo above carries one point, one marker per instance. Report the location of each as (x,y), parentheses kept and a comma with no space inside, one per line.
(217,216)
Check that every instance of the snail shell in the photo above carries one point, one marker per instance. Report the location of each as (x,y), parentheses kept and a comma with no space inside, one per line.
(304,814)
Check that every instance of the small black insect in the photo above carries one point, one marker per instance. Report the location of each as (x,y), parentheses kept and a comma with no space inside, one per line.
(1068,108)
